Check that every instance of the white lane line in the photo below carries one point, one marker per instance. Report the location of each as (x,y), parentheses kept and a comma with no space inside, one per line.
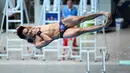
(52,63)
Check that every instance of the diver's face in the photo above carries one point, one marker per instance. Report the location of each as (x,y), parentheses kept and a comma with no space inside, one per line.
(25,31)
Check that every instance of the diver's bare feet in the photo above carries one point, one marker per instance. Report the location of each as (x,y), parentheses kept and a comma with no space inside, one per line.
(109,20)
(108,14)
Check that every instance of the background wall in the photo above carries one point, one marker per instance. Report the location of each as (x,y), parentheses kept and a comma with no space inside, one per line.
(105,5)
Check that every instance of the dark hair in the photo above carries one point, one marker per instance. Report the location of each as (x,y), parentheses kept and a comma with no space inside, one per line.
(69,0)
(20,32)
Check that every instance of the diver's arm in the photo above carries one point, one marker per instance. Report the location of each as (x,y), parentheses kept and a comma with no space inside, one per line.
(40,44)
(45,37)
(45,40)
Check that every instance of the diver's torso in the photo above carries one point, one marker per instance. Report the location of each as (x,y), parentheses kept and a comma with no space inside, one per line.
(52,30)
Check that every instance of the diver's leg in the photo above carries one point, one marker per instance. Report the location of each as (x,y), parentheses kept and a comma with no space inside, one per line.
(74,32)
(75,20)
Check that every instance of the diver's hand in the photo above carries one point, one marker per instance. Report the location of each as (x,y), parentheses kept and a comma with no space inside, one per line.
(38,46)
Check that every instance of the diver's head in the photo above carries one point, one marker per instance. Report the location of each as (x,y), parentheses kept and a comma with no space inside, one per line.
(22,32)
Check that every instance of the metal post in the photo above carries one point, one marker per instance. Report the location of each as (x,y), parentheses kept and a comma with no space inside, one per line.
(26,13)
(7,25)
(88,71)
(103,62)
